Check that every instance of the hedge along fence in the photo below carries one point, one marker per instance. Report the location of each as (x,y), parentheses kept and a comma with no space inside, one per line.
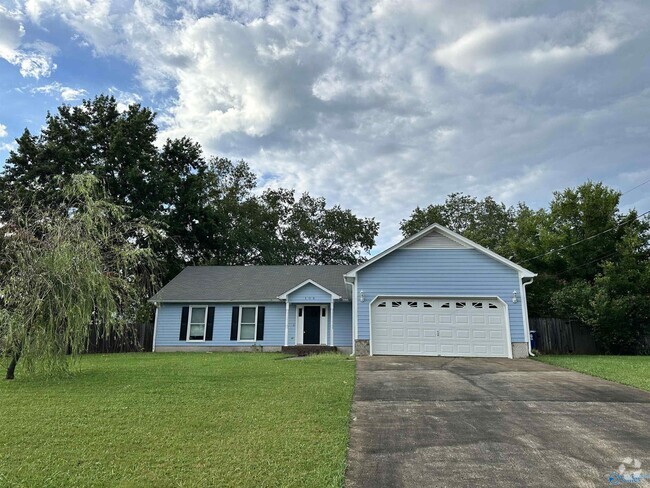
(562,336)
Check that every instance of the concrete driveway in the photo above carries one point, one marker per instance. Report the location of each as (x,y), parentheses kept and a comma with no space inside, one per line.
(491,422)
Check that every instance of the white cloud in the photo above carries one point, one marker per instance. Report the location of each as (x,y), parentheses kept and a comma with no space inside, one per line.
(8,146)
(69,94)
(65,93)
(3,131)
(124,98)
(382,106)
(33,60)
(528,49)
(11,31)
(34,8)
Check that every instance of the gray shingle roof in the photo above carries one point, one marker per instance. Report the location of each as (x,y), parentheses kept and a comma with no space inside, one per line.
(248,283)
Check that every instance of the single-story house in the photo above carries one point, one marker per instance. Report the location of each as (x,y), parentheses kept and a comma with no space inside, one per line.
(433,294)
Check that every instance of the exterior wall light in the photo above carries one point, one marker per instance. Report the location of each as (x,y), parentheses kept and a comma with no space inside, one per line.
(514,297)
(362,296)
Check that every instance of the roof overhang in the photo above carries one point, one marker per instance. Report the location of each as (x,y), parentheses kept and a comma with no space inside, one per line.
(523,272)
(201,300)
(308,282)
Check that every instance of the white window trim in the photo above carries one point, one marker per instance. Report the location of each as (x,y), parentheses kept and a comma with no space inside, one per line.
(241,314)
(189,324)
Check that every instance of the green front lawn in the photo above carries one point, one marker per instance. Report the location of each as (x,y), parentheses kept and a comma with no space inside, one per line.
(628,370)
(182,419)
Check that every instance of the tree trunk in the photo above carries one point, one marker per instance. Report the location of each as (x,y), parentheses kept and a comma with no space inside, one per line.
(12,366)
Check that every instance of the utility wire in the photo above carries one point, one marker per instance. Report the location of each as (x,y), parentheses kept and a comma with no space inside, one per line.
(585,239)
(587,263)
(634,188)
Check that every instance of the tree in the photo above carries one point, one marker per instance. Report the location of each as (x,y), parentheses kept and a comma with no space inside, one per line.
(484,221)
(616,304)
(208,207)
(581,232)
(70,270)
(588,213)
(304,231)
(94,137)
(119,149)
(575,246)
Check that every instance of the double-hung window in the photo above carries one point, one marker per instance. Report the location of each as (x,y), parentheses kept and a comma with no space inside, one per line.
(198,320)
(247,323)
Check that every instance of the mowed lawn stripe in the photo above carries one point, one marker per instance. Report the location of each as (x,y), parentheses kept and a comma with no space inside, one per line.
(627,370)
(182,419)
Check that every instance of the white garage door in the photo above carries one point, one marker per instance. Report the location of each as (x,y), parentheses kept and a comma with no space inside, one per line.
(439,327)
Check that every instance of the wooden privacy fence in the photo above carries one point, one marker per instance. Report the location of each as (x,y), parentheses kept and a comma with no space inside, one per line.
(561,336)
(135,338)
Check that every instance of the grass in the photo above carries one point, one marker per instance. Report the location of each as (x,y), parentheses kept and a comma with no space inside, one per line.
(181,419)
(628,370)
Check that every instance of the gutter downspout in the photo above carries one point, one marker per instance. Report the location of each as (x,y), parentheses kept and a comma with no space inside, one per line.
(286,323)
(525,305)
(352,282)
(331,324)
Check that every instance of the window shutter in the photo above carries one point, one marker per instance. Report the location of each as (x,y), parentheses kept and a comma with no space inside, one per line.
(210,325)
(234,324)
(260,323)
(184,315)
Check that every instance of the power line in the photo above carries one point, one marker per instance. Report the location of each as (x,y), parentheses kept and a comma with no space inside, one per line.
(585,239)
(634,188)
(587,263)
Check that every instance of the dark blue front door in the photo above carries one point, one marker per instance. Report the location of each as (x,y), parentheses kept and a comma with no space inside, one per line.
(312,325)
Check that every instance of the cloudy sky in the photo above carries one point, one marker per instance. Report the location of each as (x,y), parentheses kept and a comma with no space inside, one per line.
(378,106)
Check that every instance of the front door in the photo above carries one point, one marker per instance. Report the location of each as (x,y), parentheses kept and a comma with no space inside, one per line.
(312,325)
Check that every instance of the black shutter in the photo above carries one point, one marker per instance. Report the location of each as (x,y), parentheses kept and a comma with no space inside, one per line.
(210,325)
(234,324)
(184,315)
(260,323)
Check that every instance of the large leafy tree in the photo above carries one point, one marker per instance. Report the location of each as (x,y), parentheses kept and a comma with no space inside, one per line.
(616,303)
(117,148)
(208,207)
(72,271)
(484,221)
(302,230)
(96,138)
(581,231)
(587,214)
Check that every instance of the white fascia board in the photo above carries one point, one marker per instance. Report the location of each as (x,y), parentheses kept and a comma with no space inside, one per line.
(309,282)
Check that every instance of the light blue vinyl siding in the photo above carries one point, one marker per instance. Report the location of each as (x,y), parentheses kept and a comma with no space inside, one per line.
(310,294)
(343,324)
(169,324)
(450,272)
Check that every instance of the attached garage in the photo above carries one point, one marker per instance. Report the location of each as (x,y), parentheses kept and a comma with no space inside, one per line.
(440,326)
(438,293)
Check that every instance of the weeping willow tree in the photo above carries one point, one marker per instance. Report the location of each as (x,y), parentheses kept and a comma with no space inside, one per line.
(70,271)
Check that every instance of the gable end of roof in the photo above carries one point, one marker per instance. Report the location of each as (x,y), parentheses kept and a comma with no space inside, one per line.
(523,272)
